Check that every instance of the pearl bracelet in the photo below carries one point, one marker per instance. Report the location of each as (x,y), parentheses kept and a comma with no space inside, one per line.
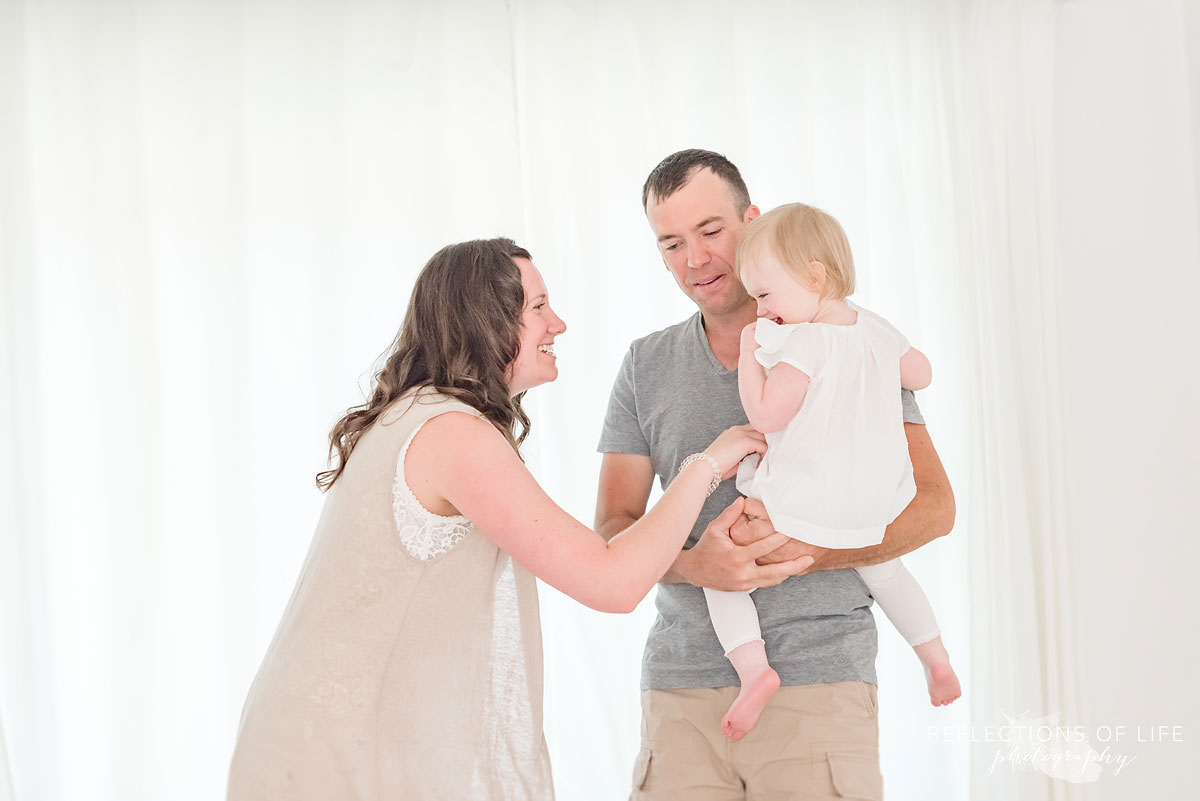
(695,457)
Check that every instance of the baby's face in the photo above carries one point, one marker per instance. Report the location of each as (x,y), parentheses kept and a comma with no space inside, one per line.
(780,297)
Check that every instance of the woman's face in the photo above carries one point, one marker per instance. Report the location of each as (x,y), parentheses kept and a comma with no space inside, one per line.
(535,362)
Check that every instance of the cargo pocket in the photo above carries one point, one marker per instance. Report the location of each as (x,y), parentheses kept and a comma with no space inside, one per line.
(855,777)
(853,769)
(641,769)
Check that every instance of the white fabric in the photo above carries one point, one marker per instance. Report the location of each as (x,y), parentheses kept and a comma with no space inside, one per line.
(423,534)
(1020,566)
(6,789)
(839,471)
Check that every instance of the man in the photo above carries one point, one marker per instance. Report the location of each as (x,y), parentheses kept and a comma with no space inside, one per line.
(676,390)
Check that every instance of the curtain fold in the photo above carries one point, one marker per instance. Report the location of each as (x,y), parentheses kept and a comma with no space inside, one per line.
(1025,670)
(6,787)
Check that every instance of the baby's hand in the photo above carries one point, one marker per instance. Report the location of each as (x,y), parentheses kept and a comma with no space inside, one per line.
(748,343)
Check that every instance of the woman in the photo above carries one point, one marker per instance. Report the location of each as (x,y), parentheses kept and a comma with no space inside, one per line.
(408,662)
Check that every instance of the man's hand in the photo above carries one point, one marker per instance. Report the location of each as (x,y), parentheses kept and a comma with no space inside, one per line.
(720,563)
(755,526)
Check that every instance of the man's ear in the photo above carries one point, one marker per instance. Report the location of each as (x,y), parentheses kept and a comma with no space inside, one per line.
(816,276)
(751,212)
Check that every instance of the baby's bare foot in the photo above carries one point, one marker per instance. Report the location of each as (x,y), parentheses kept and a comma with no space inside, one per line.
(749,704)
(943,684)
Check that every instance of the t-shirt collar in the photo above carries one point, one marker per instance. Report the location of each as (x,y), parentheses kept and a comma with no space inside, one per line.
(701,340)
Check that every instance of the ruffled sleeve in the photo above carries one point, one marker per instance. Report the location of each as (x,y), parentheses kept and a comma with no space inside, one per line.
(798,345)
(899,339)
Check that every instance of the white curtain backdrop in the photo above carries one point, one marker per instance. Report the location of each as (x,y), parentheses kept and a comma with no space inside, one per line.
(1024,656)
(6,790)
(211,214)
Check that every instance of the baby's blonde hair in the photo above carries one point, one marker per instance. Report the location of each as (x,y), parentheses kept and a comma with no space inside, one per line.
(799,235)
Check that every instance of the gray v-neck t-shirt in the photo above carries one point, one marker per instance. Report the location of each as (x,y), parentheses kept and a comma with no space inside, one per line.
(672,398)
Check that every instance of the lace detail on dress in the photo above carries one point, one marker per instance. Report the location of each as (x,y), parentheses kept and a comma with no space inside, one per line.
(423,534)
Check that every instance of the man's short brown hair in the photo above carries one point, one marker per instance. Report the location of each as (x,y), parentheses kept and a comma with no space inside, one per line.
(678,168)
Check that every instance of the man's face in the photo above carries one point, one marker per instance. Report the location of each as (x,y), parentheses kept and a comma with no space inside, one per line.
(698,229)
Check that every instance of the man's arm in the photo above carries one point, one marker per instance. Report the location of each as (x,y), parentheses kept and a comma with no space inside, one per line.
(928,516)
(715,561)
(625,482)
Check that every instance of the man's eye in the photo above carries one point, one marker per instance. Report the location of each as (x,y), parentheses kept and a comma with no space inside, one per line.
(671,247)
(714,232)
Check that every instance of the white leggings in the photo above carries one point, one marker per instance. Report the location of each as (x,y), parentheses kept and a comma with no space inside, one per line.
(893,587)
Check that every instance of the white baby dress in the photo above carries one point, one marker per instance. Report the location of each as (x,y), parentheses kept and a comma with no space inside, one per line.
(839,472)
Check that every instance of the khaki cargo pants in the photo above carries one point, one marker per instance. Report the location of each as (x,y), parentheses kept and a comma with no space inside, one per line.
(817,741)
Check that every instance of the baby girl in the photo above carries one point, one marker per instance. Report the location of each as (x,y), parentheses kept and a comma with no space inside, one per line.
(821,378)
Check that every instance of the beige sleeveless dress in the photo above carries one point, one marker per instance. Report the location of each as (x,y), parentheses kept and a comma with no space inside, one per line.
(408,664)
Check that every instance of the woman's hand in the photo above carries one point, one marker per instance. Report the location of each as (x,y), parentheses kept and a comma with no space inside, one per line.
(733,445)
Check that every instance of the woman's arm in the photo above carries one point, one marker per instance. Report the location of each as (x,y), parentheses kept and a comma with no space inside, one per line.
(461,461)
(770,401)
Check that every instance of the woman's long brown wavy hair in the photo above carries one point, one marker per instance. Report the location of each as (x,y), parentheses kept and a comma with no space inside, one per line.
(460,334)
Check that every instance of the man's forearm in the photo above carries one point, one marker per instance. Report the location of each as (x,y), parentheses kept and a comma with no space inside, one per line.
(614,525)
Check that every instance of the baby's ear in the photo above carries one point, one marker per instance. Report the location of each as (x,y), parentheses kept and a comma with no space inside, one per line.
(816,276)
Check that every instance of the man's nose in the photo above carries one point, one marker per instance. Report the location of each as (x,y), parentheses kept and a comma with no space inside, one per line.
(698,255)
